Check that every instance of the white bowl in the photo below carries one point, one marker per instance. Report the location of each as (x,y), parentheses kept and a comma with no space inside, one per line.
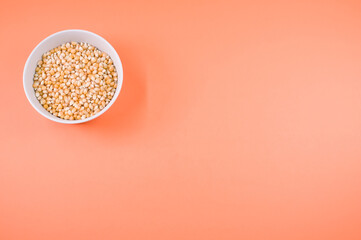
(55,40)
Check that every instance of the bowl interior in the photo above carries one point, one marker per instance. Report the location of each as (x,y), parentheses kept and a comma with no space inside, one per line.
(54,41)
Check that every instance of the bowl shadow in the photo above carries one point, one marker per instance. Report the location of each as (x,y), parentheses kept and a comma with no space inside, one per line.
(140,109)
(127,113)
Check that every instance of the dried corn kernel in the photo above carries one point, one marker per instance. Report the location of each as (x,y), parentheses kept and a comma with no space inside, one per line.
(75,81)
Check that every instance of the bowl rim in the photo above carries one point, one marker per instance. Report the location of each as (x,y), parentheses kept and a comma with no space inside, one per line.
(117,91)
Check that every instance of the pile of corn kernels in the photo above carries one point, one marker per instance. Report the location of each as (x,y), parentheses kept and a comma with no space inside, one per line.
(74,81)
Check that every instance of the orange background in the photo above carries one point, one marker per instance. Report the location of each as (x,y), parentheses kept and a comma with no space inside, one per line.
(237,120)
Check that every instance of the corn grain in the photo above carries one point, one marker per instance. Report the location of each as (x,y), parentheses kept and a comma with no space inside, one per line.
(75,81)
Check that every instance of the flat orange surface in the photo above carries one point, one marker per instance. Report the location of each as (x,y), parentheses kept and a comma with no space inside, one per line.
(236,120)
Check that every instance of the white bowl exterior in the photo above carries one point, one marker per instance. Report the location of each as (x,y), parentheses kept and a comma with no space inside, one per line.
(55,40)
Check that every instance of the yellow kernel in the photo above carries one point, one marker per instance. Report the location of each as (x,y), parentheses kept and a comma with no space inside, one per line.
(74,80)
